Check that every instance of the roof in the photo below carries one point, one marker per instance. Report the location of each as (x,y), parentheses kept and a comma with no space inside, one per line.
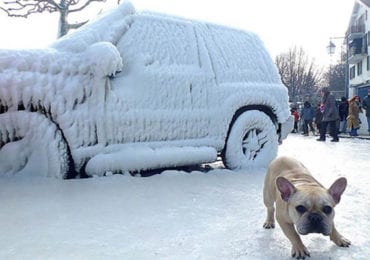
(365,2)
(356,7)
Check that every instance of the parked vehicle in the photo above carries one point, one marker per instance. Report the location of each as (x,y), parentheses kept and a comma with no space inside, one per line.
(133,91)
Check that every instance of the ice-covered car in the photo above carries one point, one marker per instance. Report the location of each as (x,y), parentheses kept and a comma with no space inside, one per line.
(132,91)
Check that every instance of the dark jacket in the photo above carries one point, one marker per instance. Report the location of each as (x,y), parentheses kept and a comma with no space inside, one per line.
(318,116)
(366,104)
(307,112)
(343,110)
(330,108)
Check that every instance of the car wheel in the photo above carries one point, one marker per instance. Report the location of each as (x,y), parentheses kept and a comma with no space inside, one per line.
(252,141)
(32,144)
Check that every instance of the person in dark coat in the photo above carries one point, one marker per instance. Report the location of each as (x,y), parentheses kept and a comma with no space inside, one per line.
(318,117)
(343,113)
(307,115)
(366,106)
(330,115)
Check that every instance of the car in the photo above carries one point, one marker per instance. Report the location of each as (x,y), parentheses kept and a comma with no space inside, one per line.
(132,91)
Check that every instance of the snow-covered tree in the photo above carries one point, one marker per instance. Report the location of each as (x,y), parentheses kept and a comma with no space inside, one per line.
(25,8)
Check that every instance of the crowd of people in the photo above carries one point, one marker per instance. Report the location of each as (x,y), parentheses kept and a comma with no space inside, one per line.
(330,116)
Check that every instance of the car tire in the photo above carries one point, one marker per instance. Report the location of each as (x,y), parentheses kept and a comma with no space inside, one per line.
(32,144)
(252,141)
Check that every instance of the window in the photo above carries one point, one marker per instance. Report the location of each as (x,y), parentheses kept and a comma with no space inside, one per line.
(368,63)
(359,68)
(167,41)
(352,72)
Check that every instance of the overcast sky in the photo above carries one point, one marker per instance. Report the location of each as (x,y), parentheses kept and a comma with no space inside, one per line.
(280,23)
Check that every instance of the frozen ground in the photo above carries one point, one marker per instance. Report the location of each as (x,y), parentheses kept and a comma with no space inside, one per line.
(178,215)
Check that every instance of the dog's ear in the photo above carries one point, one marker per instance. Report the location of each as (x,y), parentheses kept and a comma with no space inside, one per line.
(285,187)
(337,188)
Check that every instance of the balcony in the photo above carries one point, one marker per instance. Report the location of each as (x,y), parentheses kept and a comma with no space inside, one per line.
(355,55)
(357,50)
(356,31)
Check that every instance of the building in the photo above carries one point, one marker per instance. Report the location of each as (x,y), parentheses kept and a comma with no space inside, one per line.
(358,52)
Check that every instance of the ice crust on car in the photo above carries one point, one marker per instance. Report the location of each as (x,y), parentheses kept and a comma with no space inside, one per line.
(134,78)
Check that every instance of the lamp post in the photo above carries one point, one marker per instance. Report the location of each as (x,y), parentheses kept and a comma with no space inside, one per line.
(331,48)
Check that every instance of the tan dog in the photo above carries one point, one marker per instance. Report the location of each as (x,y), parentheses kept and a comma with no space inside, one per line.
(301,201)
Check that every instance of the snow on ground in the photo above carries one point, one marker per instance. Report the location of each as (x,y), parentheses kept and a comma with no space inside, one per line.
(177,215)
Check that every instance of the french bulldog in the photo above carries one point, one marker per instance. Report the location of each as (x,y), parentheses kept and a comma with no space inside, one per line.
(303,205)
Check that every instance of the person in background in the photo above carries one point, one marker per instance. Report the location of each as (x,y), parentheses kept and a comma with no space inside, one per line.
(353,119)
(295,114)
(307,115)
(330,115)
(343,113)
(318,117)
(366,106)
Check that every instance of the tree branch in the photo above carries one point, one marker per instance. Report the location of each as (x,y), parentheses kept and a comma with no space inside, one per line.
(19,8)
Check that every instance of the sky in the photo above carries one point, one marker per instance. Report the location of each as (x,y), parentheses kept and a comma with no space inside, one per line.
(281,24)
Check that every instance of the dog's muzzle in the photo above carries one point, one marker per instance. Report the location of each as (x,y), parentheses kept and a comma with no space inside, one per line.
(314,223)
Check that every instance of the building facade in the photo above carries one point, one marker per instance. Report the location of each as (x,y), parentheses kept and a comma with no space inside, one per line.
(358,51)
(358,54)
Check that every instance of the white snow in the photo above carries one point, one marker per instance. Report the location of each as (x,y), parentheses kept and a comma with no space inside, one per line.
(137,158)
(178,215)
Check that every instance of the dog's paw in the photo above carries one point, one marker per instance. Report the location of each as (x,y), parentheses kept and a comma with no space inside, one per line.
(342,242)
(300,252)
(269,224)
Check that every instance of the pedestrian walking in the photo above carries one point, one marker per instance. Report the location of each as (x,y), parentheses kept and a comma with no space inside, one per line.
(318,118)
(366,106)
(343,114)
(353,119)
(307,115)
(295,114)
(330,115)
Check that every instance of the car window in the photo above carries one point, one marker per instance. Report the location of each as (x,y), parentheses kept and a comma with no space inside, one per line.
(167,41)
(239,56)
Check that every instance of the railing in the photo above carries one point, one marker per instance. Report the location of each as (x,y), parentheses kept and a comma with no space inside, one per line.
(356,31)
(355,54)
(358,28)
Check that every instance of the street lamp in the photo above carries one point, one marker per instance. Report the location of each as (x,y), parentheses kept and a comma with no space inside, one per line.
(331,48)
(331,51)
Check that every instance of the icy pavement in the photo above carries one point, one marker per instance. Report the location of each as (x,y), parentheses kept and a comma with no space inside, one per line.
(177,215)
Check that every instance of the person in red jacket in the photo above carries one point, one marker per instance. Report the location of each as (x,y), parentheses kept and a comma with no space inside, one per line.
(295,114)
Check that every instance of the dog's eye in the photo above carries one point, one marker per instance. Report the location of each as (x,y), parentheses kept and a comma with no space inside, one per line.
(301,209)
(327,210)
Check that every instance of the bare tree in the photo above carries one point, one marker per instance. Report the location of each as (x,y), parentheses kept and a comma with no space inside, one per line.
(25,8)
(335,77)
(298,73)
